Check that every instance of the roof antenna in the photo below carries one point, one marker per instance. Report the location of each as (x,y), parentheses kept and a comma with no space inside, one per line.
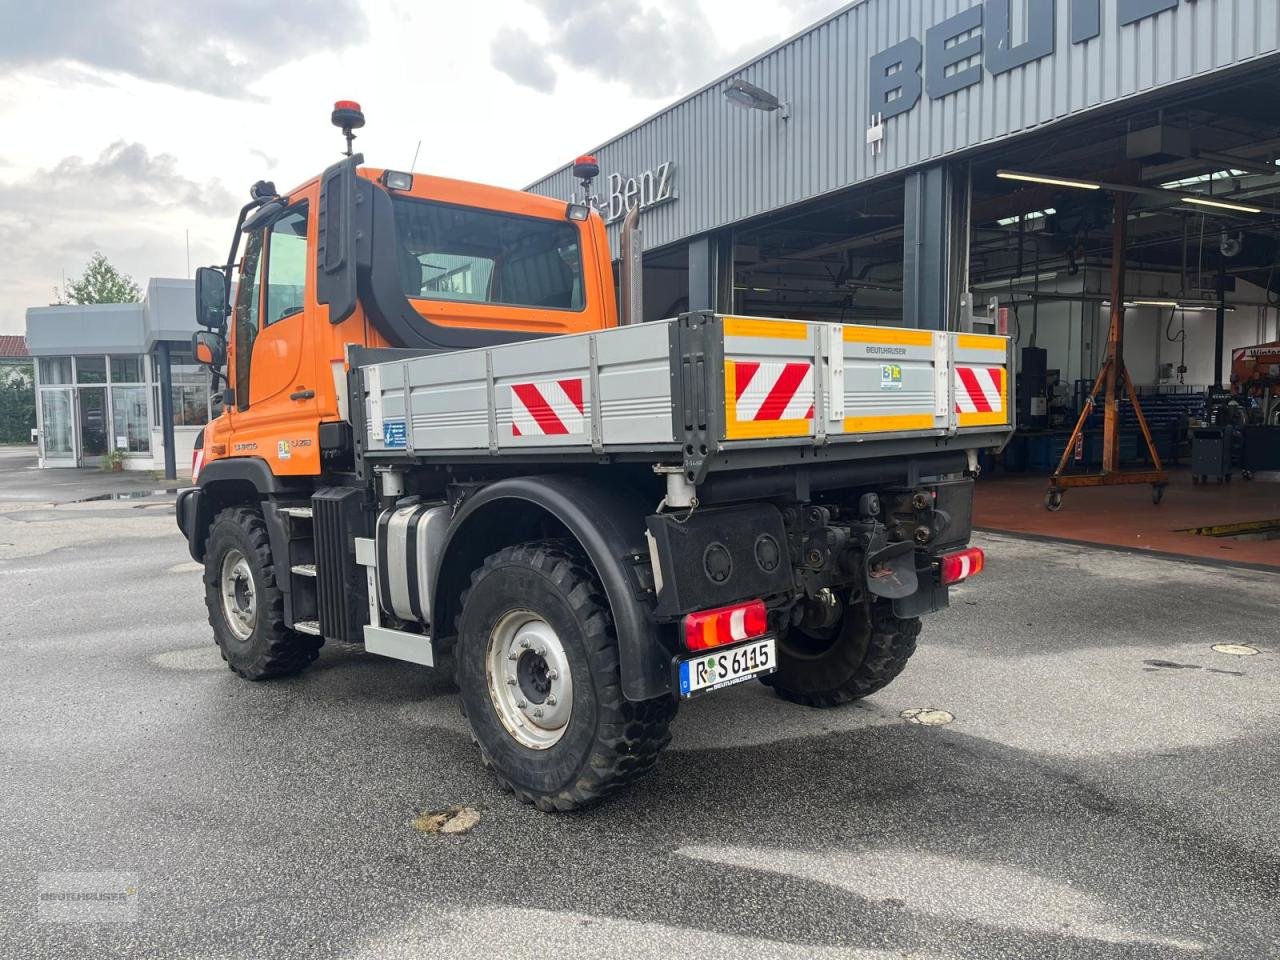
(414,164)
(348,116)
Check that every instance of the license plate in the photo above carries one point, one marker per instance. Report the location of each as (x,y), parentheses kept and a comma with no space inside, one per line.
(717,669)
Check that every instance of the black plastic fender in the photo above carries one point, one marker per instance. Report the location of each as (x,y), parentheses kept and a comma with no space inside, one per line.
(608,525)
(222,483)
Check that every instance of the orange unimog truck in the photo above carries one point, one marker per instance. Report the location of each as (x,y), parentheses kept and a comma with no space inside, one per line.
(439,440)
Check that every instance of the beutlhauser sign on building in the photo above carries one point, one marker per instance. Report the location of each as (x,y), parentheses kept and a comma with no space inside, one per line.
(954,53)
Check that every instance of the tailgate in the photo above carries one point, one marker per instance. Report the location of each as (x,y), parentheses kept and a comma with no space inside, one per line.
(840,382)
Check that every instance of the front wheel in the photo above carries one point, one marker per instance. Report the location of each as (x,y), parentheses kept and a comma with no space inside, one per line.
(856,657)
(246,605)
(538,672)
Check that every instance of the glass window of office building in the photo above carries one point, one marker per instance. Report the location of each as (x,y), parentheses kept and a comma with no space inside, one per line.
(91,405)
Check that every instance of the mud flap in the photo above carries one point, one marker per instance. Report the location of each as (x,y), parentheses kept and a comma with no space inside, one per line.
(891,570)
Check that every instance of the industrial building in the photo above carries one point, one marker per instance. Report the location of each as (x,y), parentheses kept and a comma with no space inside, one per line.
(995,165)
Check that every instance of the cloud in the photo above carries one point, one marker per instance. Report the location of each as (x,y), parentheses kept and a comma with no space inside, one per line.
(655,53)
(524,61)
(215,48)
(133,205)
(130,177)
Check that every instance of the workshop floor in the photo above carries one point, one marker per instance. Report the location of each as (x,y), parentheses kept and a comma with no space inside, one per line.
(1124,516)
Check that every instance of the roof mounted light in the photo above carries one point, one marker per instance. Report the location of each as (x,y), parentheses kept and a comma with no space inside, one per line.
(1050,181)
(750,97)
(347,115)
(395,180)
(577,211)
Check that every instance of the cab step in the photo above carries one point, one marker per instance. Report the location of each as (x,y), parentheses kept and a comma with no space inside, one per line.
(304,569)
(308,626)
(300,513)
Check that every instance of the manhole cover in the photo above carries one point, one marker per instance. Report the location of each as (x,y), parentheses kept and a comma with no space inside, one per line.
(1235,649)
(927,716)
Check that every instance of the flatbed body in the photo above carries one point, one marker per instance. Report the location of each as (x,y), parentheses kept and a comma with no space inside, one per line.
(708,392)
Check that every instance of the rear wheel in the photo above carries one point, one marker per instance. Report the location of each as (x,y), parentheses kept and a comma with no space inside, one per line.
(246,606)
(858,655)
(538,672)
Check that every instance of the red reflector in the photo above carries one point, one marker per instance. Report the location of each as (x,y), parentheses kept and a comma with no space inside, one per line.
(723,625)
(197,461)
(347,105)
(962,565)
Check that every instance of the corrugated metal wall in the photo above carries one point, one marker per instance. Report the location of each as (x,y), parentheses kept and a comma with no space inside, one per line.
(731,164)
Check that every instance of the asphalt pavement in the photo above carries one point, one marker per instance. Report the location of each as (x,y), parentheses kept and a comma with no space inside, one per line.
(1109,785)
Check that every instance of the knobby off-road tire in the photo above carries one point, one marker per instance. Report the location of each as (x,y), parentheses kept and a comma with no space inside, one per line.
(246,605)
(862,654)
(536,636)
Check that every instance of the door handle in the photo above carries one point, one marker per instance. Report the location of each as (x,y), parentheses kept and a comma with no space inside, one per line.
(303,395)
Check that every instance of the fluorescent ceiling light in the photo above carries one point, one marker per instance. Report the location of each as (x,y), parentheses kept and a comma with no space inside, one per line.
(1051,181)
(1221,204)
(1155,303)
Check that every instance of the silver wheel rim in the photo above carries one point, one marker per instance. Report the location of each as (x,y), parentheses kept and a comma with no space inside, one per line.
(530,684)
(239,601)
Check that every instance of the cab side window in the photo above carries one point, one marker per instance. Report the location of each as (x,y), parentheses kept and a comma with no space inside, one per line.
(246,318)
(286,266)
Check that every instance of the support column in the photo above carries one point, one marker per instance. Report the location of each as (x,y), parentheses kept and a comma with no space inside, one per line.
(1220,324)
(166,409)
(711,272)
(931,222)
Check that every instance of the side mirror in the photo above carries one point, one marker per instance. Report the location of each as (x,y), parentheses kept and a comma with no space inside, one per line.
(212,308)
(209,349)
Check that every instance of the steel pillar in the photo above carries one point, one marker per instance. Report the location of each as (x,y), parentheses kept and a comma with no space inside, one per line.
(932,218)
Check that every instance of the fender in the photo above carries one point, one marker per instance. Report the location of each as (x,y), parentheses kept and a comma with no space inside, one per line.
(609,527)
(228,481)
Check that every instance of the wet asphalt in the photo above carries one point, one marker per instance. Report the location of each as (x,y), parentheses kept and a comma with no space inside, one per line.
(1109,787)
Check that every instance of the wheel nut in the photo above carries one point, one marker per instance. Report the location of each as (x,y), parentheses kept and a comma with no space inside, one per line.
(551,699)
(524,644)
(538,712)
(553,674)
(511,681)
(541,651)
(521,704)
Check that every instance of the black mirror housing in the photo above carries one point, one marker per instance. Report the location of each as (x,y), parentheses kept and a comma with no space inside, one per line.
(212,307)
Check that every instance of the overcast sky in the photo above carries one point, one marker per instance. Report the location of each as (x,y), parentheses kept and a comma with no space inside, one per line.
(128,123)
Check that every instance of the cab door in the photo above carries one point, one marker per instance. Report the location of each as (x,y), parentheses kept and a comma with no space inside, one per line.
(275,410)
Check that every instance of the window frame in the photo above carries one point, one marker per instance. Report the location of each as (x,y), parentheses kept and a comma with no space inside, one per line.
(580,240)
(252,305)
(264,314)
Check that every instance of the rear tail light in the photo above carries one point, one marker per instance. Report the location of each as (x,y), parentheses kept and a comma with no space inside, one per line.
(724,625)
(963,565)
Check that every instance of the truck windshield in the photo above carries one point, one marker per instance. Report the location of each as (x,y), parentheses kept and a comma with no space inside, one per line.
(449,252)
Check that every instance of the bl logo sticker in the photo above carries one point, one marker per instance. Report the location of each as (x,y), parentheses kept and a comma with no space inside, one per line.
(890,376)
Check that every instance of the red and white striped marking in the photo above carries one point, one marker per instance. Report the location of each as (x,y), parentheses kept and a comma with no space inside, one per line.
(773,391)
(548,408)
(979,390)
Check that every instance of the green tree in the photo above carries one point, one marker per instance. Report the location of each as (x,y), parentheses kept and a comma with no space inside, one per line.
(17,404)
(102,283)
